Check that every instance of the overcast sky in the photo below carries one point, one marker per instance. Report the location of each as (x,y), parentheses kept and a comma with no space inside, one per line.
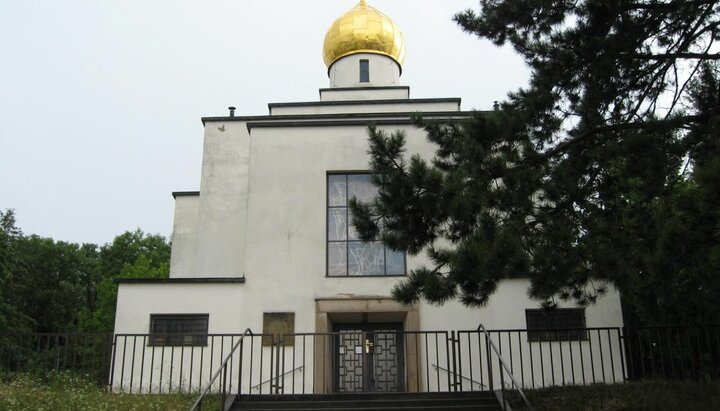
(100,101)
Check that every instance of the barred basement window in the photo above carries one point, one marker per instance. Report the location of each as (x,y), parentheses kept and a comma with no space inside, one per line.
(347,255)
(178,329)
(560,324)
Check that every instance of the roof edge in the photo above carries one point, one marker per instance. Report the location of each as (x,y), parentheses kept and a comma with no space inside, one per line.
(457,100)
(194,280)
(177,194)
(332,116)
(364,88)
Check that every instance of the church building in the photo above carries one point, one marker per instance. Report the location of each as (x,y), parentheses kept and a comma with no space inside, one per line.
(267,244)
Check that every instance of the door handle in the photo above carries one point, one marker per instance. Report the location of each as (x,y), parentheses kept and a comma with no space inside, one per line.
(368,346)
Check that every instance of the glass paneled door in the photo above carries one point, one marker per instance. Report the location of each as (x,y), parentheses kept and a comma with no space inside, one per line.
(369,358)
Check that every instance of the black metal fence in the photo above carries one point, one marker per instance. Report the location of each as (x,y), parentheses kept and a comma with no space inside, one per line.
(395,361)
(292,364)
(549,358)
(88,355)
(673,353)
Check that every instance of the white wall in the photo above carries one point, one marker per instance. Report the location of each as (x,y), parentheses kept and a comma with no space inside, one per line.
(262,215)
(401,106)
(364,94)
(345,72)
(234,307)
(184,237)
(506,310)
(220,300)
(223,201)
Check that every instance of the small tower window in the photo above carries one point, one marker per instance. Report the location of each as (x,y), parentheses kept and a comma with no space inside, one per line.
(364,71)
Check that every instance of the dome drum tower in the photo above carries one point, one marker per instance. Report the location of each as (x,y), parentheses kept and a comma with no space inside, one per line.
(349,71)
(364,48)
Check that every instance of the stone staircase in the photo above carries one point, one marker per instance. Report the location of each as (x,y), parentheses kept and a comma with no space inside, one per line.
(479,400)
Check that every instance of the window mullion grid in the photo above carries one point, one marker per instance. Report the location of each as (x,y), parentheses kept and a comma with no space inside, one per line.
(385,264)
(328,242)
(347,229)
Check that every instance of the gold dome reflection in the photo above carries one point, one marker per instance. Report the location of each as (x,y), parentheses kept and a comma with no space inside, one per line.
(363,29)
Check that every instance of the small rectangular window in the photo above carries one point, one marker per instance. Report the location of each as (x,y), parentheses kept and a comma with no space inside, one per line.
(560,324)
(178,329)
(364,71)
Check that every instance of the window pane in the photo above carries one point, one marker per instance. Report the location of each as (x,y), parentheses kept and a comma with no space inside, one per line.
(347,255)
(337,224)
(394,262)
(366,258)
(337,259)
(361,187)
(337,191)
(555,325)
(352,232)
(364,71)
(170,329)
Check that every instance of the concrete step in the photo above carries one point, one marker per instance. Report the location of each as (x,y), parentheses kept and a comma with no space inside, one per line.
(484,401)
(359,396)
(386,407)
(349,404)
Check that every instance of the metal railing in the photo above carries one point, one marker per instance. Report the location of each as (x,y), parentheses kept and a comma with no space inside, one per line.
(276,364)
(549,357)
(673,353)
(429,361)
(271,380)
(141,366)
(552,357)
(490,345)
(223,370)
(473,383)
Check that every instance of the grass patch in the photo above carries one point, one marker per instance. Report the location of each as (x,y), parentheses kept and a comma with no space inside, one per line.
(633,396)
(70,392)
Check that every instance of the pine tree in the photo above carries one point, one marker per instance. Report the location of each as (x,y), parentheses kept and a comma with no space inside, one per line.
(578,181)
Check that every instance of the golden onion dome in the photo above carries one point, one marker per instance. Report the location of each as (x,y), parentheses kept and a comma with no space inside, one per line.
(363,29)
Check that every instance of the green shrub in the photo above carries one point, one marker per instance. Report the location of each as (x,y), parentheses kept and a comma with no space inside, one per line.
(634,396)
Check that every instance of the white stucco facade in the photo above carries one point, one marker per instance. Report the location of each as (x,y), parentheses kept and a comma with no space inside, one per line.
(254,238)
(261,216)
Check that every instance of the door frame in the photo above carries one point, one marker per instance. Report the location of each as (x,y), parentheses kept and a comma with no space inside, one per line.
(372,309)
(368,367)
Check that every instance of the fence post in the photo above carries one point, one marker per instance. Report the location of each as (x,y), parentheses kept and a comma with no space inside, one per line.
(240,365)
(224,390)
(502,386)
(489,363)
(454,362)
(621,348)
(276,379)
(113,353)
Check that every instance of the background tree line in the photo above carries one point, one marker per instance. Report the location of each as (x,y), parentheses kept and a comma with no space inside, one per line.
(55,286)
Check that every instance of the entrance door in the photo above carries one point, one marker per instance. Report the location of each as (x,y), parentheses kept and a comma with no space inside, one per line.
(369,358)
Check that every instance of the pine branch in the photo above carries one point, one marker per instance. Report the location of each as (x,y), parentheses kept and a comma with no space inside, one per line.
(676,56)
(568,144)
(667,7)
